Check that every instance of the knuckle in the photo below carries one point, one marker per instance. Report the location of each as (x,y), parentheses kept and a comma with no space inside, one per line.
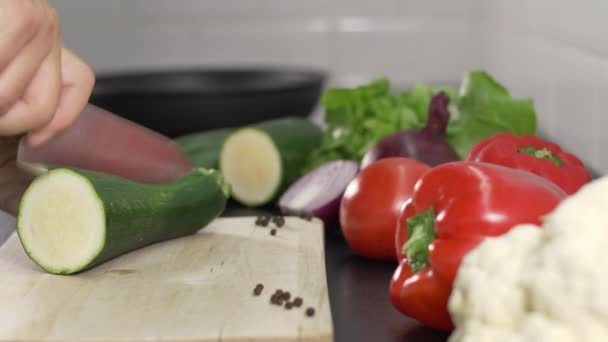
(27,24)
(24,7)
(28,15)
(52,22)
(53,14)
(8,97)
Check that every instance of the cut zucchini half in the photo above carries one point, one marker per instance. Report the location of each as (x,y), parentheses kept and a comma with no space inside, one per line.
(251,164)
(72,220)
(262,160)
(62,222)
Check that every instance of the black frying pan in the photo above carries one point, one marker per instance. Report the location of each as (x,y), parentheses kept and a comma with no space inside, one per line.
(177,102)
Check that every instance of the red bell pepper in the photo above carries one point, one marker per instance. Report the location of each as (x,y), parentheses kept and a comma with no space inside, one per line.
(531,153)
(454,207)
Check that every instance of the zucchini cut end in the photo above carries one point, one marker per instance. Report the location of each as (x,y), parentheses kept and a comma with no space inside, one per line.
(251,164)
(61,222)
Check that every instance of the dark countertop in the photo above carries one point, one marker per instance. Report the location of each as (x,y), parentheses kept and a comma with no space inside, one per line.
(360,304)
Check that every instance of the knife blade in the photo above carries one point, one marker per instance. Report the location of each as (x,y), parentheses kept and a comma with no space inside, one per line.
(105,142)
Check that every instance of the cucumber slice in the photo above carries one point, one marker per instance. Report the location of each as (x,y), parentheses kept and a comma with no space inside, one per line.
(71,220)
(261,161)
(251,164)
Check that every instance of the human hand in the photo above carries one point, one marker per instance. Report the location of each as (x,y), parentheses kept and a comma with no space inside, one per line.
(43,86)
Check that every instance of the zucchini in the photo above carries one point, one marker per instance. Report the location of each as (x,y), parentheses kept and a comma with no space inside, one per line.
(72,220)
(260,161)
(203,149)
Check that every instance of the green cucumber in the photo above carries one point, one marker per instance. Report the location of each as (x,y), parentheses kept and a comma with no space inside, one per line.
(203,149)
(72,220)
(261,160)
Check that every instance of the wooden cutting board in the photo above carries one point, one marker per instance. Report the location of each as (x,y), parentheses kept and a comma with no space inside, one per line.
(196,288)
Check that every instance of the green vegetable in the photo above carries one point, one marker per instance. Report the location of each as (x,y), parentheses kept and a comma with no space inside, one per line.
(485,108)
(357,118)
(421,232)
(203,149)
(262,160)
(71,220)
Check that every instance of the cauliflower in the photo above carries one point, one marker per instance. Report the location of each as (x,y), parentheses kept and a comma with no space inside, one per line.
(537,284)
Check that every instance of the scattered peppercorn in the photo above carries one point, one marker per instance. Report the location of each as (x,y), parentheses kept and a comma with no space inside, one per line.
(273,232)
(258,289)
(288,305)
(286,295)
(276,300)
(279,221)
(262,220)
(297,302)
(310,312)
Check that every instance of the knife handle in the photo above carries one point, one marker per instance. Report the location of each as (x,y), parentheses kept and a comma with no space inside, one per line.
(13,181)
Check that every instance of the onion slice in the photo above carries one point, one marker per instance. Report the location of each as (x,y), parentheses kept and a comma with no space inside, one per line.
(318,193)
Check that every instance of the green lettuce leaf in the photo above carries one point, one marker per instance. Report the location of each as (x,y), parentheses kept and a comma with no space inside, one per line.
(356,118)
(485,108)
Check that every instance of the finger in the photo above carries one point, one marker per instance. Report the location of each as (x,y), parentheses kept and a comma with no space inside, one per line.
(15,78)
(77,83)
(20,24)
(40,100)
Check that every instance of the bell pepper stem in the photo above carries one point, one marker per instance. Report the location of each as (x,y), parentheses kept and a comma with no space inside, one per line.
(421,232)
(542,154)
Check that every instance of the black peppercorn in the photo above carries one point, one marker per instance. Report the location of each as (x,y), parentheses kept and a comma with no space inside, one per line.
(262,220)
(297,302)
(273,232)
(258,289)
(276,299)
(279,221)
(310,312)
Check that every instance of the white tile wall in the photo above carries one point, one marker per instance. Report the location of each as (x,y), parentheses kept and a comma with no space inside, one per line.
(557,52)
(553,50)
(354,39)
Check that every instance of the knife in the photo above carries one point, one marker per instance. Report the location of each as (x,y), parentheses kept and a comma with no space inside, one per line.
(98,141)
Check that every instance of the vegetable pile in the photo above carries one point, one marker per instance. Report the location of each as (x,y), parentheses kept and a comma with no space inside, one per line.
(427,144)
(426,178)
(358,118)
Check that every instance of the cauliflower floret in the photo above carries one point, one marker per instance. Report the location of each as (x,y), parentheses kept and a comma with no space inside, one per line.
(539,284)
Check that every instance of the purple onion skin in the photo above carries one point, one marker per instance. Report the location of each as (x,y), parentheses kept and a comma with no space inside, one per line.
(427,145)
(328,212)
